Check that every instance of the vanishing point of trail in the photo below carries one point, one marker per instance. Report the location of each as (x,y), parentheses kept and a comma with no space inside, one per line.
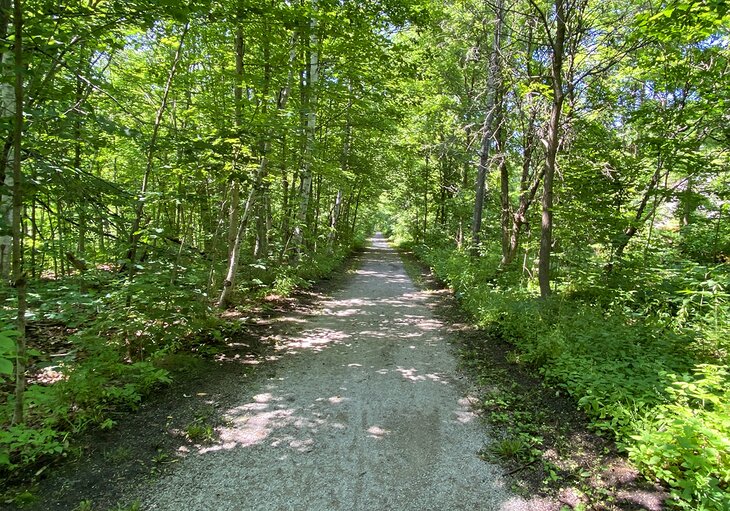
(364,412)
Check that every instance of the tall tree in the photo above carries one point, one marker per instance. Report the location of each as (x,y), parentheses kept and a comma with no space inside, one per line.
(489,126)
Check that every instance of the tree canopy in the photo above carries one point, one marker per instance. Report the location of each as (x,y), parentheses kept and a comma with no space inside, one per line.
(563,159)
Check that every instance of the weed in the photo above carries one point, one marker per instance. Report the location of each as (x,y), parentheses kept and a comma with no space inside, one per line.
(119,454)
(509,449)
(199,433)
(85,505)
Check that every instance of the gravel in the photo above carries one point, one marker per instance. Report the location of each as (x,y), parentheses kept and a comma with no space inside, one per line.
(365,411)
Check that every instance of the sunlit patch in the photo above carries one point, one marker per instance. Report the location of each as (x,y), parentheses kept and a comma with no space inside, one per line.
(291,319)
(651,500)
(48,376)
(377,432)
(411,335)
(359,302)
(520,504)
(343,312)
(302,445)
(412,375)
(465,415)
(249,430)
(313,340)
(263,398)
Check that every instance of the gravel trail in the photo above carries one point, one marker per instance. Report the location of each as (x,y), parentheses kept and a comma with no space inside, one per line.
(365,412)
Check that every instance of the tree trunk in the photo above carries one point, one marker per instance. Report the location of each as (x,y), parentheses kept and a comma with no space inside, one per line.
(134,234)
(235,194)
(345,165)
(506,205)
(527,191)
(7,103)
(311,112)
(261,247)
(632,229)
(19,277)
(426,179)
(553,141)
(235,252)
(488,127)
(334,220)
(81,241)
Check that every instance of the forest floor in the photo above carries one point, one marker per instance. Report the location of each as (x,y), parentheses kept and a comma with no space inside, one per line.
(349,397)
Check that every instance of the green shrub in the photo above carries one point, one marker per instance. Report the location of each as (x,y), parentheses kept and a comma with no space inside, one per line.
(92,388)
(686,441)
(22,445)
(615,342)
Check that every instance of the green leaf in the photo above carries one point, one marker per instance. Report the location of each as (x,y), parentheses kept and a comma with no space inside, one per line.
(6,367)
(7,345)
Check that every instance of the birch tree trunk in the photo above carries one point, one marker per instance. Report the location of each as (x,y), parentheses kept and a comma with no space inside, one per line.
(19,277)
(7,104)
(311,105)
(235,254)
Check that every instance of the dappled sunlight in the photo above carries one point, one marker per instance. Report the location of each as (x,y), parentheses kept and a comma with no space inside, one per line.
(312,340)
(465,414)
(344,312)
(530,504)
(412,375)
(365,384)
(391,311)
(291,319)
(377,432)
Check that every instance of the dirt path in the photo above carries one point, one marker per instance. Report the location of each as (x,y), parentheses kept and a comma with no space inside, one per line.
(365,411)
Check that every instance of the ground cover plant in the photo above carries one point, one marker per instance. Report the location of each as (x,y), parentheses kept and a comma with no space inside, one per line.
(93,357)
(653,379)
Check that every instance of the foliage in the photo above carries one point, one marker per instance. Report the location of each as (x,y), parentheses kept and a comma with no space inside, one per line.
(22,446)
(634,359)
(686,441)
(7,352)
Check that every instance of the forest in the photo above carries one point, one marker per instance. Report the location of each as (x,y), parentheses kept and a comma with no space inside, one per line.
(562,165)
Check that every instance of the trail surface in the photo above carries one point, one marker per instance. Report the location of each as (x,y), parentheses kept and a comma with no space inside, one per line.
(364,412)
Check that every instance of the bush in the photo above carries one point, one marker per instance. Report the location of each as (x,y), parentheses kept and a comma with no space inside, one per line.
(686,441)
(22,445)
(616,344)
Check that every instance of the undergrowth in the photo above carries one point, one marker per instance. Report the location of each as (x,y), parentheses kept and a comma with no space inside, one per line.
(644,354)
(113,352)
